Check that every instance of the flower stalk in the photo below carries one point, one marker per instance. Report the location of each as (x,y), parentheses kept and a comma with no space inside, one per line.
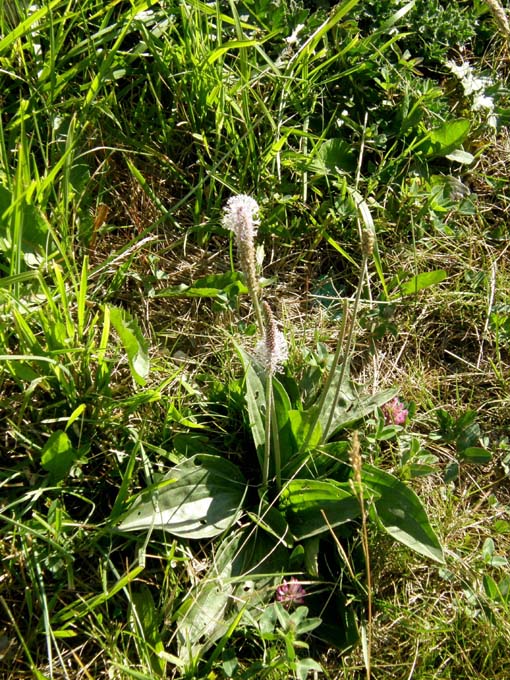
(357,487)
(348,325)
(367,248)
(241,217)
(271,352)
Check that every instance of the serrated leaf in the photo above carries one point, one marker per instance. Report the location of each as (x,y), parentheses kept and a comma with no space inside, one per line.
(199,498)
(400,512)
(333,156)
(133,342)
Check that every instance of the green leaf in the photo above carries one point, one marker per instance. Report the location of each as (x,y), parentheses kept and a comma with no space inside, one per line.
(333,156)
(256,404)
(241,575)
(146,616)
(271,520)
(199,498)
(306,666)
(58,456)
(340,627)
(350,406)
(232,45)
(475,455)
(421,469)
(230,663)
(461,156)
(400,512)
(133,342)
(313,506)
(202,619)
(397,16)
(301,422)
(421,281)
(211,286)
(283,409)
(34,235)
(447,137)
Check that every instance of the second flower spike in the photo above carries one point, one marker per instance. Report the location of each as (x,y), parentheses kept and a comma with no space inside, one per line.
(272,351)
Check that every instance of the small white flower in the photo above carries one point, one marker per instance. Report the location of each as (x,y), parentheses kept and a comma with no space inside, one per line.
(492,121)
(240,216)
(462,71)
(475,87)
(481,101)
(294,37)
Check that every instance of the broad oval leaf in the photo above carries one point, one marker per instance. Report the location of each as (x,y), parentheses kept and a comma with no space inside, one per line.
(476,455)
(58,456)
(241,578)
(314,506)
(199,498)
(400,512)
(447,138)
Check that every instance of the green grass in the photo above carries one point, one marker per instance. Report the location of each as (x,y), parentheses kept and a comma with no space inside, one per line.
(124,128)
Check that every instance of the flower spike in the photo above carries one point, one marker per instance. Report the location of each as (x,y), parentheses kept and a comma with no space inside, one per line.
(272,351)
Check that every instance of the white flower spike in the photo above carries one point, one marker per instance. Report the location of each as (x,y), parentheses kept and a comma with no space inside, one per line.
(240,216)
(272,351)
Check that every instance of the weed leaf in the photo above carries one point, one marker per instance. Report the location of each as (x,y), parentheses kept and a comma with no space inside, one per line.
(134,343)
(400,512)
(421,281)
(58,456)
(476,455)
(145,616)
(199,498)
(350,407)
(256,405)
(447,137)
(312,506)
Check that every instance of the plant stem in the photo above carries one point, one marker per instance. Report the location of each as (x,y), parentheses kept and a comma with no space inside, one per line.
(347,349)
(267,442)
(247,254)
(276,444)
